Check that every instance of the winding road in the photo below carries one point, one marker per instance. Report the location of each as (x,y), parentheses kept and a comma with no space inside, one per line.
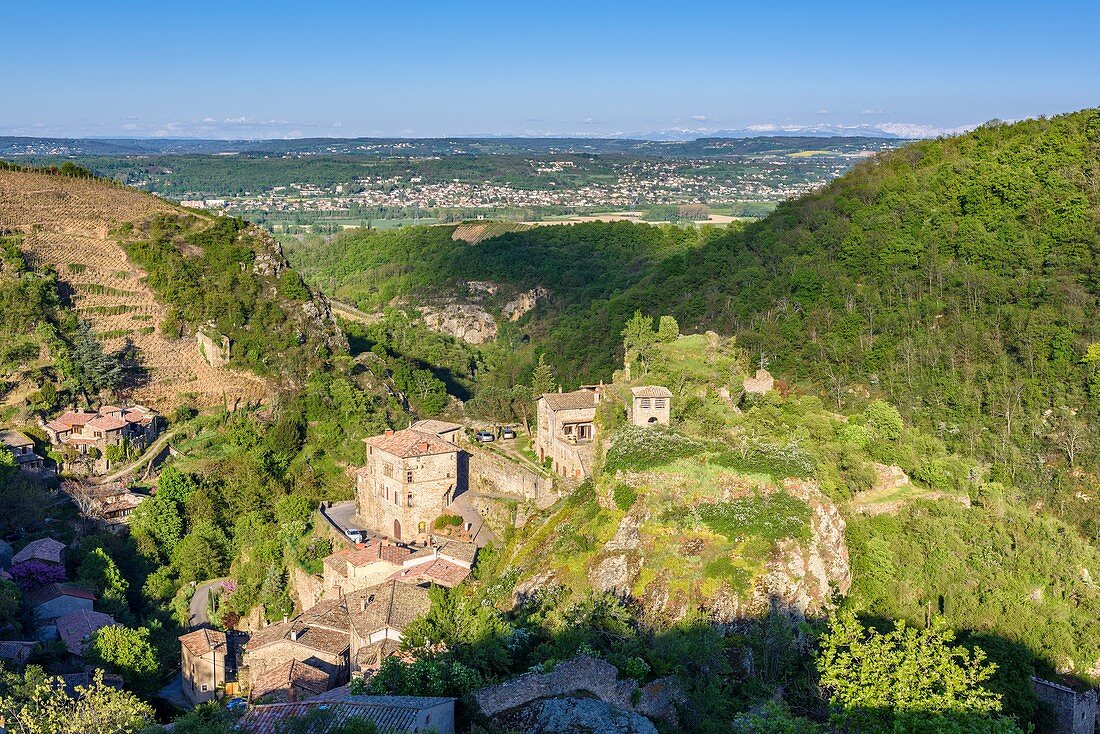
(200,602)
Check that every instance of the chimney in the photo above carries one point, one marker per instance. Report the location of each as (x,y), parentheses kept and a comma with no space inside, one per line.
(389,431)
(559,389)
(362,604)
(423,445)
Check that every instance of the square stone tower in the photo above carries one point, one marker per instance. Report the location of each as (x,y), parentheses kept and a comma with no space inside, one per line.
(651,405)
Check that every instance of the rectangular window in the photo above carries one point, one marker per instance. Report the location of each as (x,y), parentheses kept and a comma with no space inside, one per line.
(408,477)
(659,403)
(646,404)
(396,499)
(387,469)
(410,500)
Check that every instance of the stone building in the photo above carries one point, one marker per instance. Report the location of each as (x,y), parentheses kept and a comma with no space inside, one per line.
(52,601)
(449,432)
(45,550)
(1075,712)
(344,637)
(22,448)
(82,432)
(205,658)
(319,637)
(409,478)
(288,682)
(353,569)
(650,405)
(566,430)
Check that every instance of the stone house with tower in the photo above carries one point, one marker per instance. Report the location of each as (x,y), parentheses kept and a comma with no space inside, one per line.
(566,430)
(650,405)
(409,478)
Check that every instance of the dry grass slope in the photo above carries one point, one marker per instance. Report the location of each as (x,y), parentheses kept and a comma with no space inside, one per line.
(67,223)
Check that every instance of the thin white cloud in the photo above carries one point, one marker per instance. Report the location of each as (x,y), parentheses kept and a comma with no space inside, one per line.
(822,111)
(878,111)
(699,118)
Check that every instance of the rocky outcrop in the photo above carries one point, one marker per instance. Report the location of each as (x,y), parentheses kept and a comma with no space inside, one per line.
(804,578)
(523,303)
(468,322)
(521,703)
(759,384)
(573,715)
(889,477)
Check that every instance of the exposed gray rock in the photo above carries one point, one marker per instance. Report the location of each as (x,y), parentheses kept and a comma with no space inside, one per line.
(468,322)
(523,303)
(584,716)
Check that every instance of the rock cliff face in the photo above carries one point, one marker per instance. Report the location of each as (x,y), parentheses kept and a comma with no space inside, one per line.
(803,579)
(584,694)
(315,316)
(524,303)
(466,321)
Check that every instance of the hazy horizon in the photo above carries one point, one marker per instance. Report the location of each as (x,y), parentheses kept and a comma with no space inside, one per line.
(281,70)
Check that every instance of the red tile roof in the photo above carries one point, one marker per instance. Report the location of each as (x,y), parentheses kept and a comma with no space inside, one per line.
(651,391)
(50,592)
(576,400)
(106,423)
(202,641)
(70,418)
(438,571)
(75,629)
(293,675)
(411,442)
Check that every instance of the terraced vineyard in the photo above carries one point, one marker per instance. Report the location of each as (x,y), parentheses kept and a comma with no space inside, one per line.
(67,224)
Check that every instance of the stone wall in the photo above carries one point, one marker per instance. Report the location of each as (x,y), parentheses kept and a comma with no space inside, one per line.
(587,675)
(491,473)
(1074,712)
(305,589)
(215,352)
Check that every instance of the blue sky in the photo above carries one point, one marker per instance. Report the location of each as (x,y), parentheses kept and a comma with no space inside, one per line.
(247,69)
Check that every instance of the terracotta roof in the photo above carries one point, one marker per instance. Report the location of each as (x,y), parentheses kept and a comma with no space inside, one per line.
(43,549)
(106,423)
(202,641)
(411,442)
(370,657)
(431,425)
(456,551)
(75,629)
(318,638)
(651,391)
(391,604)
(375,551)
(70,418)
(437,571)
(293,674)
(576,400)
(330,613)
(15,439)
(50,592)
(108,409)
(389,713)
(136,416)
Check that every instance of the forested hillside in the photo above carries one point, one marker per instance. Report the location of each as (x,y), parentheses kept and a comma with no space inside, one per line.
(958,278)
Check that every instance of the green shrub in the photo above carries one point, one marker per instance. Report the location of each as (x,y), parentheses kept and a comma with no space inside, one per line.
(624,496)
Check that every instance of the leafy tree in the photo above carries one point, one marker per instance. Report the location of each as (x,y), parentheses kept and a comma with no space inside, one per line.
(293,514)
(884,420)
(91,370)
(7,463)
(41,706)
(157,527)
(878,681)
(99,571)
(124,650)
(667,329)
(542,381)
(10,600)
(638,337)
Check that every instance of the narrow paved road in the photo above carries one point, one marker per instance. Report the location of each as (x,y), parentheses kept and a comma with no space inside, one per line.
(148,455)
(200,602)
(482,533)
